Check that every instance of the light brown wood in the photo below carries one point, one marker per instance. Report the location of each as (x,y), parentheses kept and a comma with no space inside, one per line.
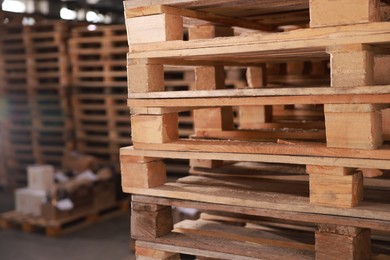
(371,173)
(351,65)
(288,215)
(137,159)
(328,170)
(340,247)
(209,164)
(263,200)
(211,17)
(193,103)
(154,128)
(354,130)
(331,157)
(250,235)
(281,148)
(209,31)
(154,28)
(336,191)
(222,248)
(265,47)
(251,117)
(261,135)
(143,175)
(382,69)
(266,92)
(386,123)
(145,78)
(331,13)
(144,253)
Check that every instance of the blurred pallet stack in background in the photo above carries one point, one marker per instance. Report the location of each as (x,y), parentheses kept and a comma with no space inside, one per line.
(36,84)
(98,56)
(48,81)
(17,129)
(303,170)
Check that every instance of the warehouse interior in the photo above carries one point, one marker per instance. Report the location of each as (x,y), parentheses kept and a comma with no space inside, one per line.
(193,129)
(101,239)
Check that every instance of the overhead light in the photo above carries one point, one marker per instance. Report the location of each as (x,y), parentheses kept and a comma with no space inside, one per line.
(13,6)
(92,17)
(67,14)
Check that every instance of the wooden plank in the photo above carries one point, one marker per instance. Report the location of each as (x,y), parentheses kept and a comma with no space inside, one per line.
(332,13)
(266,92)
(258,135)
(265,46)
(251,235)
(206,16)
(296,148)
(261,100)
(262,200)
(221,248)
(253,157)
(272,213)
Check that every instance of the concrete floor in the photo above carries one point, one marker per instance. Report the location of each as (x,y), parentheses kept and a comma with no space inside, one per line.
(105,240)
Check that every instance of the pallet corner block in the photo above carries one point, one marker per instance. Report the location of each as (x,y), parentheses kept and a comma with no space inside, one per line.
(342,243)
(143,175)
(145,78)
(154,128)
(150,221)
(335,190)
(362,130)
(332,13)
(154,28)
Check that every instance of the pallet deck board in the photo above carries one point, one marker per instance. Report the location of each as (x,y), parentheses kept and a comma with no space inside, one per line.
(308,43)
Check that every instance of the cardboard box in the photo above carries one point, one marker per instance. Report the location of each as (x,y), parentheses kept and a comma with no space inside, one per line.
(29,201)
(40,177)
(78,162)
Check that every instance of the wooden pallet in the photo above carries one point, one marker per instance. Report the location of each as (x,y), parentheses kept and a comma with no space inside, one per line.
(256,235)
(63,226)
(38,97)
(344,135)
(99,56)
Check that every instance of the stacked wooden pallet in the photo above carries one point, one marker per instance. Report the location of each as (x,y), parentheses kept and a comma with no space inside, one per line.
(279,177)
(48,84)
(18,126)
(35,81)
(98,56)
